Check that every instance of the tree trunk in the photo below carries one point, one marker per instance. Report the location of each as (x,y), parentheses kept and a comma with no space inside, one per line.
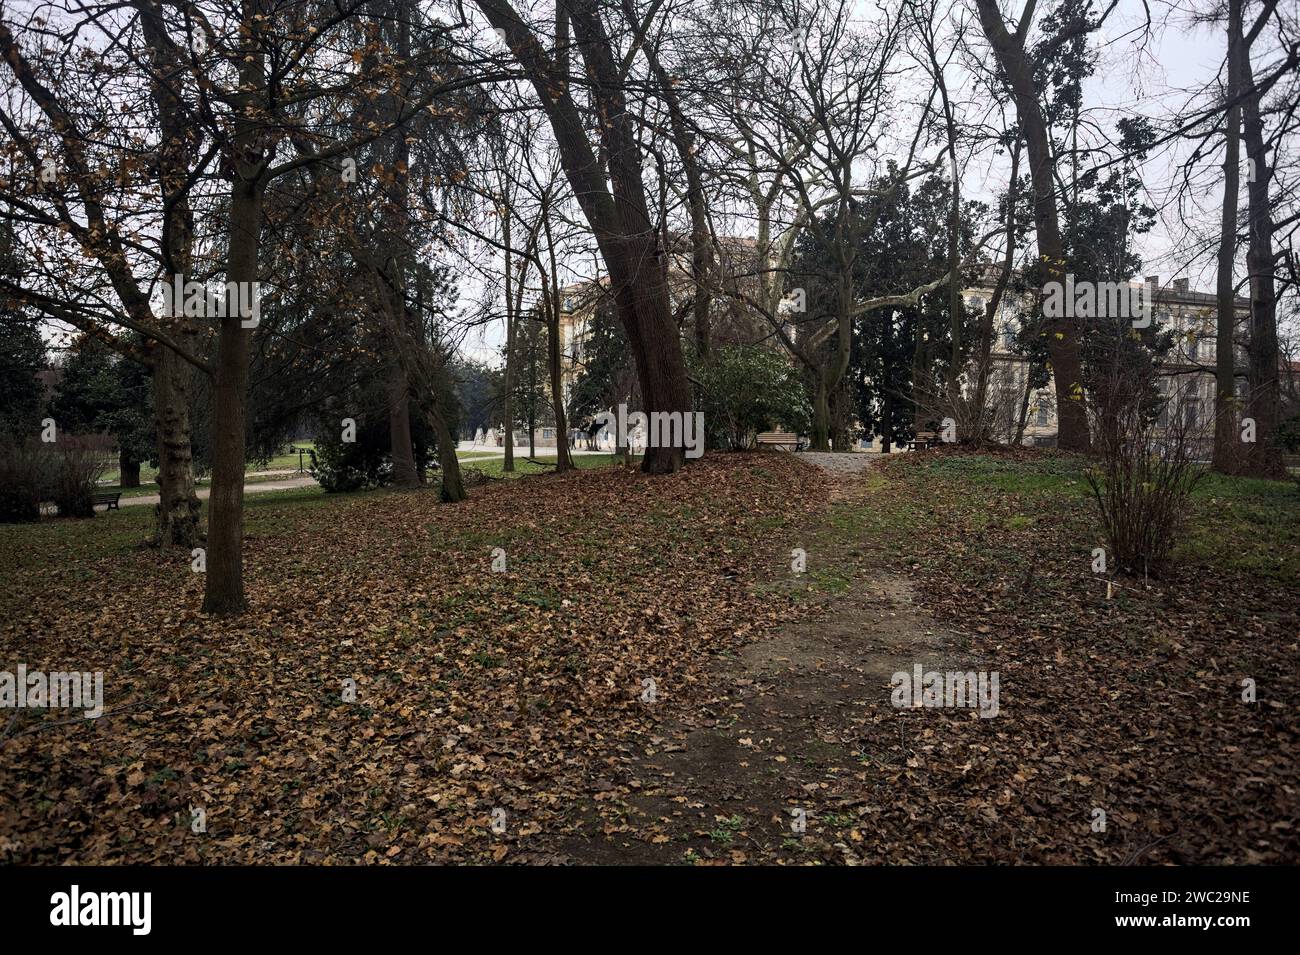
(507,403)
(1022,421)
(563,461)
(401,448)
(701,235)
(615,207)
(821,416)
(553,304)
(453,486)
(1225,419)
(1264,457)
(178,508)
(224,591)
(129,469)
(225,553)
(1062,333)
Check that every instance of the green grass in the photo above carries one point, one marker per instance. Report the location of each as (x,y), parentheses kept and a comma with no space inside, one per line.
(523,466)
(148,474)
(147,490)
(62,544)
(1049,474)
(1245,524)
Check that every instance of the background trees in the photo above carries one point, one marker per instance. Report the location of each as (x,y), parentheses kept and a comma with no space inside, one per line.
(101,392)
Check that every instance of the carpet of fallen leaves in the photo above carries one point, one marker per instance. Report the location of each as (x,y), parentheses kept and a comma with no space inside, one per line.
(475,691)
(1132,705)
(523,691)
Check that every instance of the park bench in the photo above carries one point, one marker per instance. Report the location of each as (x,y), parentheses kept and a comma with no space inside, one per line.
(779,439)
(923,440)
(109,500)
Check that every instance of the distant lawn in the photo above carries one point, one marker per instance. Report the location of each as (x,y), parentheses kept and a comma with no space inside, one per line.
(149,474)
(523,466)
(147,490)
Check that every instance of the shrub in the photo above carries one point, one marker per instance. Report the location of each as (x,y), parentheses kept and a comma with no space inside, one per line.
(1145,474)
(73,474)
(66,473)
(340,467)
(748,389)
(22,482)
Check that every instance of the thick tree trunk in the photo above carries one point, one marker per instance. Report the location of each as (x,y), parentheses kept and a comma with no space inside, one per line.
(395,242)
(178,508)
(453,486)
(821,431)
(128,470)
(399,428)
(1062,333)
(830,377)
(1264,456)
(1226,443)
(225,552)
(617,211)
(224,591)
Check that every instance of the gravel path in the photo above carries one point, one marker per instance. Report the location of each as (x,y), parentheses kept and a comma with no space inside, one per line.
(842,464)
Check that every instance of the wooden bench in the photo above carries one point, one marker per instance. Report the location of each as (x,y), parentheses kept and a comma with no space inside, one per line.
(109,500)
(778,439)
(924,440)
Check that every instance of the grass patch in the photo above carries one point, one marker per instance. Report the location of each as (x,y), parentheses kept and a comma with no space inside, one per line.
(494,467)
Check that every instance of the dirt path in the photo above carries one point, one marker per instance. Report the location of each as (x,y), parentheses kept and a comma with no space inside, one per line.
(253,487)
(782,736)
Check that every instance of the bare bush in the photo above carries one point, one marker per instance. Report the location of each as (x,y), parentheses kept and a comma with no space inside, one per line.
(73,474)
(23,468)
(1146,470)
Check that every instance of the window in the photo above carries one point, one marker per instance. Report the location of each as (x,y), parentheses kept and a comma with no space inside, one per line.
(1192,412)
(548,433)
(1043,417)
(1241,388)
